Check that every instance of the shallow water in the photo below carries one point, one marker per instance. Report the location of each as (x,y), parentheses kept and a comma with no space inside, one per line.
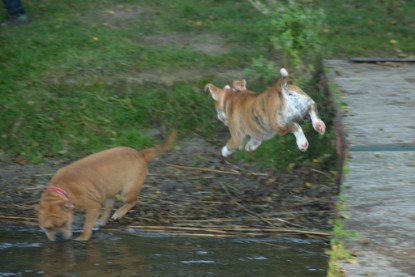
(26,252)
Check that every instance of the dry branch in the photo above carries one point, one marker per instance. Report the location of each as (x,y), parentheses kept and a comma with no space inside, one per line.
(233,172)
(227,231)
(16,218)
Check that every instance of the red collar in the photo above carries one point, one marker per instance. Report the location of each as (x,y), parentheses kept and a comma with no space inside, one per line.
(59,191)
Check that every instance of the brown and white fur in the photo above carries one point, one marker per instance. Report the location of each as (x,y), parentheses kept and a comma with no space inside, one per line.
(238,85)
(277,111)
(91,182)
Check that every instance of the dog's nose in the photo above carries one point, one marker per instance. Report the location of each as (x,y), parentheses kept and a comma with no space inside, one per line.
(59,236)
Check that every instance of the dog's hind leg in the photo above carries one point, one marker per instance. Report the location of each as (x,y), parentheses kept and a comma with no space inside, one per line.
(318,124)
(130,195)
(124,209)
(109,204)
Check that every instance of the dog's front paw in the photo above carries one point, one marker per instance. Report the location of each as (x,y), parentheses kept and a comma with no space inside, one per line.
(319,126)
(226,152)
(302,145)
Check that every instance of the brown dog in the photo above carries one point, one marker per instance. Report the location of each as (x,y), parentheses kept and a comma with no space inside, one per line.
(278,110)
(87,183)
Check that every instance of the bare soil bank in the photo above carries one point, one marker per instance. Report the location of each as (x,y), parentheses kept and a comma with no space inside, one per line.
(193,190)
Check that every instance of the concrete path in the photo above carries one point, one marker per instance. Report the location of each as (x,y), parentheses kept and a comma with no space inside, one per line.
(379,185)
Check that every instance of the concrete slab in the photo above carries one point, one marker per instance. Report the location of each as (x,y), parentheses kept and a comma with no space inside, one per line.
(380,200)
(379,188)
(380,99)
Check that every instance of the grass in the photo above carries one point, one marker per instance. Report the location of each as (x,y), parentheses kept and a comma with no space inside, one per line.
(70,79)
(339,251)
(65,90)
(368,28)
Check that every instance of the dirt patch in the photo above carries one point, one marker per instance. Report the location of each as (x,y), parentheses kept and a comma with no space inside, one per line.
(170,77)
(193,190)
(118,16)
(211,44)
(166,77)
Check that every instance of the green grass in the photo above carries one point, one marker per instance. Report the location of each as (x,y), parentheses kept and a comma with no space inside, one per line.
(339,251)
(70,79)
(369,28)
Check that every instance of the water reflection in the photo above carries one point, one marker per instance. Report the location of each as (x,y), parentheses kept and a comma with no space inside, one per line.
(131,253)
(110,258)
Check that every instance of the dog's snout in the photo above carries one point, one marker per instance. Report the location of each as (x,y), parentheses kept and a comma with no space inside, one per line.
(59,236)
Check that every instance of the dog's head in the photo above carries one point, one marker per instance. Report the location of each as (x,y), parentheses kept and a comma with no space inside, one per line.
(239,85)
(220,96)
(55,216)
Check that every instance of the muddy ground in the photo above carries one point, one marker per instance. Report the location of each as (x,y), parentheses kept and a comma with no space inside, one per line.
(193,190)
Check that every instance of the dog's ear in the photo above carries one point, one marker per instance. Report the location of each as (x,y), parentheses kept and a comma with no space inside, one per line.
(214,91)
(243,82)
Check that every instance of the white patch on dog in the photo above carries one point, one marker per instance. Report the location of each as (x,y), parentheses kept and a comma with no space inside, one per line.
(318,124)
(301,140)
(226,152)
(222,117)
(297,107)
(252,144)
(115,216)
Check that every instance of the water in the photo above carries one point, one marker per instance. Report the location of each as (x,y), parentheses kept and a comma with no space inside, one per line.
(26,252)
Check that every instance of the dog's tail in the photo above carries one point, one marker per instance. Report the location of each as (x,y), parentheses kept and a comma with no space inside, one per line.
(150,153)
(283,81)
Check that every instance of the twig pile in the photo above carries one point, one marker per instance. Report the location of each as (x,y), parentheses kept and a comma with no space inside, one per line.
(202,196)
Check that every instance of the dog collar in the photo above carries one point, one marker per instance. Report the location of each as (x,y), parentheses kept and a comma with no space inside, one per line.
(59,191)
